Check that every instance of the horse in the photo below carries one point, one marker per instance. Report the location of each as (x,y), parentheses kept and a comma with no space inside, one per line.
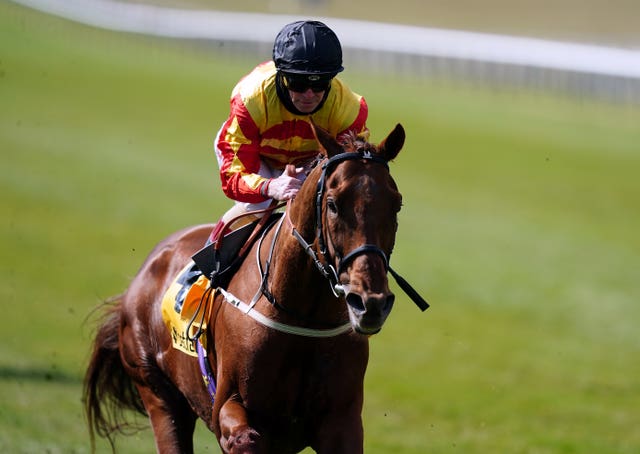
(288,367)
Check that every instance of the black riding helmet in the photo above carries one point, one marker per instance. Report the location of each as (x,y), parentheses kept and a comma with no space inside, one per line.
(307,47)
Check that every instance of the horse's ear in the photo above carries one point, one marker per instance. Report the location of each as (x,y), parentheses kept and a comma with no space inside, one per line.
(327,142)
(391,146)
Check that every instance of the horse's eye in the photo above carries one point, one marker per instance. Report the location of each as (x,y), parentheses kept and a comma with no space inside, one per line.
(331,206)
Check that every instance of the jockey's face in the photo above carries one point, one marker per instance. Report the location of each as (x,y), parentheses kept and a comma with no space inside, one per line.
(306,101)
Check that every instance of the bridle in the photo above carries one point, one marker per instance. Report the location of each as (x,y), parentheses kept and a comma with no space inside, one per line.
(325,267)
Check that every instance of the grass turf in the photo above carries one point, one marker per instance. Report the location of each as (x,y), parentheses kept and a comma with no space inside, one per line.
(519,225)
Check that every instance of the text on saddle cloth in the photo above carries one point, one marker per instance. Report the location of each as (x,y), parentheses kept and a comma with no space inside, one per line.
(179,304)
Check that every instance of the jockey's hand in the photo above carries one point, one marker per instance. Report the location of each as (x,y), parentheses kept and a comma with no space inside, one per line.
(287,185)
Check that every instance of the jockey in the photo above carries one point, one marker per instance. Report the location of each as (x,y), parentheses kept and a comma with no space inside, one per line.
(264,147)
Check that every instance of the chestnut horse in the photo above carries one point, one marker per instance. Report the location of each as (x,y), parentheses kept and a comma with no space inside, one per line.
(289,367)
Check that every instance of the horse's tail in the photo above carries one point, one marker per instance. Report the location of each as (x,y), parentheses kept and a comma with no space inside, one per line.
(108,390)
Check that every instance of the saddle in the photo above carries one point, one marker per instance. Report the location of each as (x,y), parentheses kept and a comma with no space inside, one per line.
(219,260)
(211,268)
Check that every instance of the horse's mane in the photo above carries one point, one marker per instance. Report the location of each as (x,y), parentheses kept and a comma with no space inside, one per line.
(352,142)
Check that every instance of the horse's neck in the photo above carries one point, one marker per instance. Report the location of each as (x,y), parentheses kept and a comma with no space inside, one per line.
(293,263)
(295,279)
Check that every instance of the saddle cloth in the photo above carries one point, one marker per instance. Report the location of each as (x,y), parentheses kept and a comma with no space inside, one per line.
(179,305)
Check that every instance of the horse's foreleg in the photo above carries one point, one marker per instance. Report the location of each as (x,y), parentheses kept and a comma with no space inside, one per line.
(341,434)
(172,422)
(236,435)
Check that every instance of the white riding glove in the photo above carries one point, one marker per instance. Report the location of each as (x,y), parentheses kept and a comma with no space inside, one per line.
(287,185)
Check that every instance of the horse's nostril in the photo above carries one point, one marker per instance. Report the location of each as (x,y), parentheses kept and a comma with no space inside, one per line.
(378,304)
(355,301)
(389,303)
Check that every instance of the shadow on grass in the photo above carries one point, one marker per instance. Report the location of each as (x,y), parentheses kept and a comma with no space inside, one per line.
(37,374)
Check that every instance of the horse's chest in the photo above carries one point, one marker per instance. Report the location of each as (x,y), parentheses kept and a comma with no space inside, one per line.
(302,380)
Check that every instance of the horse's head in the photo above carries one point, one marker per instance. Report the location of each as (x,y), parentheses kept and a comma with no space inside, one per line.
(357,202)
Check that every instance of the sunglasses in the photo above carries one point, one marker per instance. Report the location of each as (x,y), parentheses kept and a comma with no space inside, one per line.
(301,84)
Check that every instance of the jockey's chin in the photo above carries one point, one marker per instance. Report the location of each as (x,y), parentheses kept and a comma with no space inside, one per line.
(307,101)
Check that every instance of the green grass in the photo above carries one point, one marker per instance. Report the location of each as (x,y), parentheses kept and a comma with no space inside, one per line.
(519,225)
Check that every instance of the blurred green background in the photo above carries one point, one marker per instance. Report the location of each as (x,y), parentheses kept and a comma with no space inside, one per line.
(520,225)
(601,21)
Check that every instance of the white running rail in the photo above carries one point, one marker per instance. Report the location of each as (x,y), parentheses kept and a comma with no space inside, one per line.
(479,48)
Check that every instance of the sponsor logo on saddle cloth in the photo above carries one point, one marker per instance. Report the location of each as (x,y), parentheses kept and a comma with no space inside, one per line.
(179,304)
